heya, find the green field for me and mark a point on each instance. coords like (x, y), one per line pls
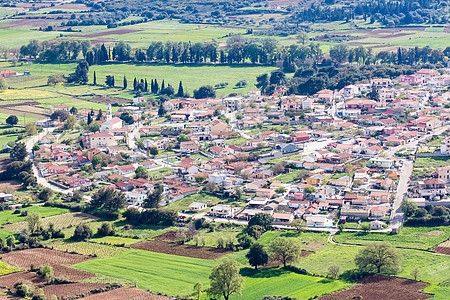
(421, 238)
(193, 76)
(184, 203)
(156, 271)
(160, 173)
(86, 248)
(422, 162)
(7, 269)
(8, 216)
(277, 281)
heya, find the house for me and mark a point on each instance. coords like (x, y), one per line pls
(102, 139)
(220, 129)
(189, 147)
(360, 103)
(355, 213)
(137, 100)
(315, 179)
(378, 211)
(6, 197)
(445, 146)
(376, 224)
(197, 206)
(286, 148)
(300, 136)
(282, 218)
(377, 197)
(148, 164)
(111, 125)
(318, 221)
(135, 199)
(8, 73)
(262, 192)
(62, 107)
(223, 211)
(126, 169)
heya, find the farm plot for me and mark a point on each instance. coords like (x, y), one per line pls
(7, 269)
(443, 248)
(26, 95)
(64, 291)
(111, 100)
(160, 272)
(86, 248)
(8, 216)
(181, 250)
(59, 221)
(57, 259)
(8, 281)
(382, 287)
(130, 293)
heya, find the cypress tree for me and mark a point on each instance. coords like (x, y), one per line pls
(162, 85)
(95, 78)
(152, 87)
(89, 120)
(135, 84)
(180, 90)
(145, 85)
(156, 87)
(125, 83)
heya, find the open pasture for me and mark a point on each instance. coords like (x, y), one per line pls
(8, 216)
(86, 248)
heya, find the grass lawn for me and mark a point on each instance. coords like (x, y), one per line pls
(421, 162)
(5, 233)
(143, 231)
(184, 203)
(287, 177)
(421, 238)
(156, 271)
(45, 211)
(160, 173)
(212, 236)
(237, 141)
(277, 281)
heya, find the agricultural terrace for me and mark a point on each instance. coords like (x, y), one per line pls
(86, 248)
(9, 216)
(59, 221)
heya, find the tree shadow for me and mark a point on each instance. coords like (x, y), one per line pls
(263, 272)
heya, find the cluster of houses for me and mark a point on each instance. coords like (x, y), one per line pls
(334, 147)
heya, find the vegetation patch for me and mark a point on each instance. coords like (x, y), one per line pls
(87, 248)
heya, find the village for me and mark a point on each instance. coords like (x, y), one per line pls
(333, 158)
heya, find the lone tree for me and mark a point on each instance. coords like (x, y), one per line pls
(333, 271)
(257, 255)
(299, 225)
(82, 232)
(12, 120)
(226, 280)
(415, 273)
(141, 172)
(284, 250)
(198, 287)
(378, 257)
(34, 223)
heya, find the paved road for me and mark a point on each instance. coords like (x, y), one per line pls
(397, 216)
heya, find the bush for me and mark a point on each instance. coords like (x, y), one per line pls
(296, 270)
(24, 288)
(82, 233)
(105, 229)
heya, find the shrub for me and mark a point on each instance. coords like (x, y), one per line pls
(24, 288)
(105, 229)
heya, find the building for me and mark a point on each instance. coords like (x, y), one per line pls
(197, 206)
(224, 211)
(111, 124)
(8, 73)
(232, 103)
(318, 221)
(445, 146)
(102, 139)
(282, 218)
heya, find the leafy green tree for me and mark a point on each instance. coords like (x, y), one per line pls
(82, 232)
(310, 190)
(299, 225)
(12, 120)
(333, 271)
(378, 257)
(261, 219)
(11, 241)
(31, 128)
(154, 150)
(24, 289)
(284, 250)
(141, 172)
(96, 161)
(257, 255)
(34, 223)
(339, 53)
(71, 122)
(225, 279)
(409, 208)
(281, 190)
(105, 229)
(206, 91)
(198, 287)
(415, 273)
(153, 198)
(18, 152)
(62, 115)
(108, 200)
(3, 85)
(200, 178)
(110, 81)
(45, 194)
(46, 271)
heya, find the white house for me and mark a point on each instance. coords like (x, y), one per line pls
(135, 199)
(224, 211)
(445, 146)
(217, 178)
(137, 100)
(197, 206)
(111, 124)
(319, 221)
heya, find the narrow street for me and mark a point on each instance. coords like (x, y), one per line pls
(397, 217)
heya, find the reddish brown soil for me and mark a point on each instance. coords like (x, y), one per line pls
(112, 32)
(443, 250)
(379, 287)
(111, 100)
(129, 293)
(57, 259)
(171, 236)
(181, 250)
(19, 104)
(8, 186)
(32, 23)
(71, 289)
(8, 281)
